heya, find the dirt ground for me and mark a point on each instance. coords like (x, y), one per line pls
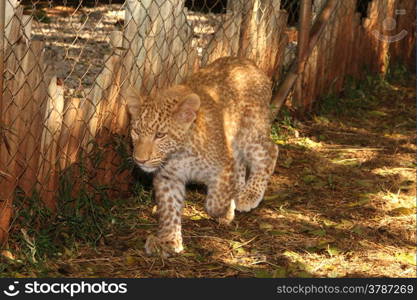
(340, 204)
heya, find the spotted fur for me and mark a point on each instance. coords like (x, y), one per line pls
(213, 129)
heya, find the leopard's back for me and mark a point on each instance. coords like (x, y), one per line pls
(235, 98)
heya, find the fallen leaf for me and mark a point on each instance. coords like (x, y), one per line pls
(328, 222)
(278, 232)
(332, 250)
(319, 184)
(8, 254)
(318, 232)
(154, 209)
(303, 274)
(280, 272)
(406, 258)
(130, 260)
(188, 254)
(287, 163)
(262, 274)
(365, 183)
(265, 226)
(377, 113)
(279, 196)
(344, 224)
(403, 211)
(309, 178)
(363, 200)
(357, 229)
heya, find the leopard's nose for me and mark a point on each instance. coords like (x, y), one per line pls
(141, 161)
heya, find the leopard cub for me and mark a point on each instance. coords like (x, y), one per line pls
(213, 129)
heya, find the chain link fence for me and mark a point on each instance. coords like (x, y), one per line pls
(66, 65)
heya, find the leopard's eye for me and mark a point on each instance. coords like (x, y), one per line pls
(160, 135)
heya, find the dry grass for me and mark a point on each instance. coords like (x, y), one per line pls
(340, 204)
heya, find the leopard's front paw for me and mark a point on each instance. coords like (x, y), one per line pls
(248, 201)
(163, 246)
(229, 216)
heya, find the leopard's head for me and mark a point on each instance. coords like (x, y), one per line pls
(160, 124)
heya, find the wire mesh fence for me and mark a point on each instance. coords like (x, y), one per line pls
(67, 64)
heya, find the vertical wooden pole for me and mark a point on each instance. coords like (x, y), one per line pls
(279, 97)
(318, 6)
(48, 165)
(5, 205)
(2, 35)
(303, 41)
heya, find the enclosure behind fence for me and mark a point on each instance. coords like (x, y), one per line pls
(66, 65)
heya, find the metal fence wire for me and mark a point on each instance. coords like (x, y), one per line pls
(65, 65)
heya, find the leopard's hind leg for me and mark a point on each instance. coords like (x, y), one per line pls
(240, 172)
(261, 159)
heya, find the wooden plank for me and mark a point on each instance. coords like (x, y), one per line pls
(282, 45)
(403, 50)
(273, 32)
(20, 85)
(74, 123)
(48, 168)
(12, 8)
(156, 56)
(389, 12)
(261, 29)
(334, 55)
(109, 117)
(279, 97)
(34, 96)
(356, 59)
(13, 102)
(135, 24)
(7, 176)
(350, 35)
(225, 41)
(186, 53)
(350, 27)
(311, 81)
(305, 85)
(321, 47)
(315, 62)
(340, 48)
(252, 29)
(95, 107)
(70, 143)
(299, 99)
(375, 51)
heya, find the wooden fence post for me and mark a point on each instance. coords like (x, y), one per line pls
(48, 165)
(2, 35)
(5, 190)
(252, 29)
(303, 37)
(225, 41)
(403, 50)
(155, 36)
(280, 96)
(12, 100)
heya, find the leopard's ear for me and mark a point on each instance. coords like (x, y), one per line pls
(186, 110)
(133, 100)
